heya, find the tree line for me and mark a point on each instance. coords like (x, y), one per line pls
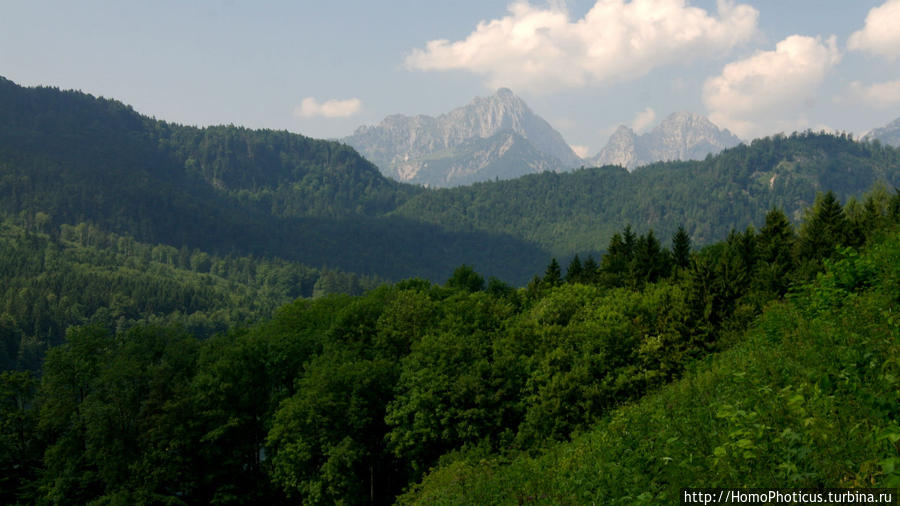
(353, 399)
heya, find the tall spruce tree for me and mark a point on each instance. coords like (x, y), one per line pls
(575, 272)
(649, 262)
(615, 263)
(553, 274)
(824, 230)
(590, 269)
(774, 243)
(681, 248)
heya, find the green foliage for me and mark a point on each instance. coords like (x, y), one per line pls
(618, 384)
(98, 396)
(825, 229)
(455, 389)
(553, 274)
(69, 158)
(681, 248)
(465, 278)
(20, 448)
(327, 439)
(809, 398)
(582, 210)
(352, 399)
(775, 243)
(82, 275)
(575, 272)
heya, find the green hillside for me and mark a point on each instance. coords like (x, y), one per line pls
(808, 397)
(580, 211)
(224, 190)
(230, 190)
(738, 364)
(81, 275)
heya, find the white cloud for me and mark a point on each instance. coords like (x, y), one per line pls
(540, 49)
(881, 34)
(643, 120)
(581, 151)
(884, 94)
(770, 84)
(311, 108)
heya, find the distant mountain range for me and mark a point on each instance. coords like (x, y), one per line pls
(888, 134)
(500, 137)
(491, 137)
(681, 136)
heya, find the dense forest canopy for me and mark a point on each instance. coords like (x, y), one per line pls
(229, 190)
(580, 211)
(80, 275)
(474, 391)
(222, 315)
(223, 190)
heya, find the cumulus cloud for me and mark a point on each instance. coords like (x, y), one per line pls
(877, 95)
(881, 34)
(770, 84)
(311, 108)
(643, 120)
(541, 49)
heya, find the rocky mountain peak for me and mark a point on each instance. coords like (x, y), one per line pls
(398, 141)
(888, 134)
(680, 136)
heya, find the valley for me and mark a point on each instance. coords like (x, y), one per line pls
(183, 306)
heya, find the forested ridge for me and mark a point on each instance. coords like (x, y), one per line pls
(80, 275)
(230, 190)
(474, 391)
(223, 190)
(579, 211)
(222, 315)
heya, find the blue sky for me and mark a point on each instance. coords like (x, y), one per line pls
(323, 68)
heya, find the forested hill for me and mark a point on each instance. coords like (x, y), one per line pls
(580, 211)
(87, 136)
(76, 158)
(769, 357)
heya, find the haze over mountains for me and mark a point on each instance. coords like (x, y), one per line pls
(681, 136)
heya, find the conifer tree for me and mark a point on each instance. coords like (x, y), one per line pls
(681, 248)
(553, 274)
(590, 269)
(615, 263)
(575, 272)
(629, 240)
(775, 242)
(824, 229)
(649, 262)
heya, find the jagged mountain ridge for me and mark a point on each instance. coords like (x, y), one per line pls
(504, 155)
(406, 148)
(888, 134)
(681, 136)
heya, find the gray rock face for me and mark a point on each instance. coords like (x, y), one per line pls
(465, 143)
(504, 155)
(888, 134)
(681, 136)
